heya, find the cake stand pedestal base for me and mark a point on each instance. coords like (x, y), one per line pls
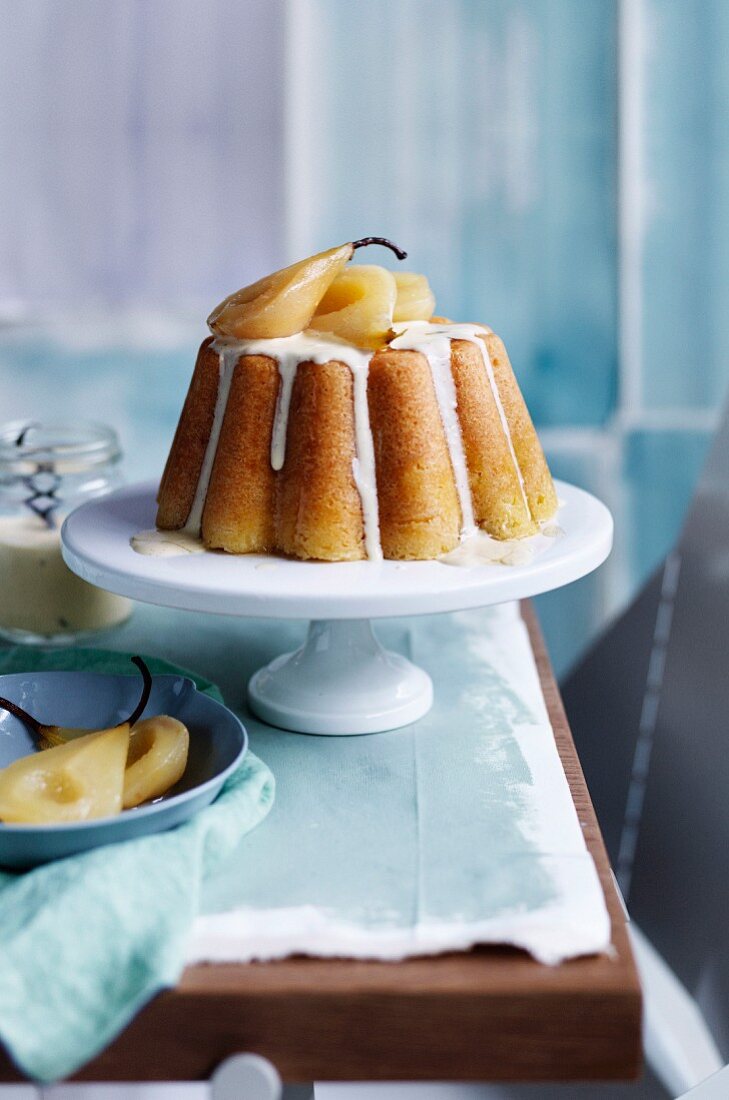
(341, 681)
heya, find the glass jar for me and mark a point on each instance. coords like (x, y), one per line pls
(46, 470)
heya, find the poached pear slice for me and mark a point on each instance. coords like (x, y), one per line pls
(280, 304)
(358, 306)
(80, 780)
(284, 303)
(415, 300)
(157, 758)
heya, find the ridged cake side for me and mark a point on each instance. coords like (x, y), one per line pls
(538, 483)
(318, 510)
(420, 516)
(239, 512)
(499, 503)
(311, 507)
(184, 464)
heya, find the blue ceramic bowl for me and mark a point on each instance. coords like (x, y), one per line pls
(218, 742)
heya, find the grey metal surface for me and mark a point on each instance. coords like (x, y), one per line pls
(680, 889)
(650, 711)
(603, 698)
(647, 1089)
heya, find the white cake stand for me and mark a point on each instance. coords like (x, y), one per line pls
(341, 681)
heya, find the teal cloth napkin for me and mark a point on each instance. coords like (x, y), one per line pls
(86, 942)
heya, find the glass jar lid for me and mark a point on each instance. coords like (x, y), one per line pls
(67, 447)
(48, 467)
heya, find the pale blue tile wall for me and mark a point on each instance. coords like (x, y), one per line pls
(133, 377)
(686, 246)
(481, 134)
(569, 615)
(661, 468)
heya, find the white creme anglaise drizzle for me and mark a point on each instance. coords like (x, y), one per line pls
(431, 340)
(434, 342)
(166, 544)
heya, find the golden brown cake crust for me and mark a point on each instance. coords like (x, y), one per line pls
(239, 513)
(182, 472)
(538, 482)
(498, 502)
(318, 511)
(419, 510)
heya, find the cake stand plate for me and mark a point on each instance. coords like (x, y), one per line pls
(341, 681)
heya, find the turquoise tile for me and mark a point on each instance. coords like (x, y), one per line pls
(481, 134)
(648, 487)
(686, 247)
(584, 461)
(661, 471)
(572, 616)
(570, 619)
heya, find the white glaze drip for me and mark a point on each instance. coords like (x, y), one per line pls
(435, 345)
(165, 544)
(288, 352)
(486, 356)
(427, 338)
(227, 359)
(287, 373)
(363, 464)
(481, 549)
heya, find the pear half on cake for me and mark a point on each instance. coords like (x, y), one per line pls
(284, 303)
(280, 304)
(364, 300)
(415, 300)
(358, 306)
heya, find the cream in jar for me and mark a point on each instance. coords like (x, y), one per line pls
(45, 470)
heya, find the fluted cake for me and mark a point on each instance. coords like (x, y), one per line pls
(359, 427)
